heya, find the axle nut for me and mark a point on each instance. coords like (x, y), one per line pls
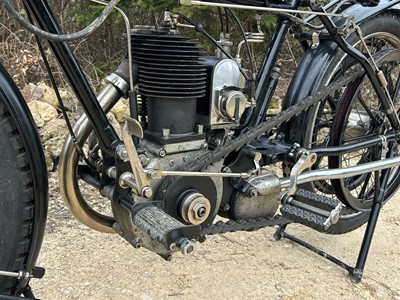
(195, 208)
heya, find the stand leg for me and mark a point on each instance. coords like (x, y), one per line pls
(357, 273)
(280, 232)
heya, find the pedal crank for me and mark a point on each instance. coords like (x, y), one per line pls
(305, 161)
(154, 229)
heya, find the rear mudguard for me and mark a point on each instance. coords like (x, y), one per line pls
(22, 117)
(312, 71)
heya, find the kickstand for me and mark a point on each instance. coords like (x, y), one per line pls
(356, 272)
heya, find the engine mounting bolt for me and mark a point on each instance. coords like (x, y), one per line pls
(199, 128)
(205, 146)
(151, 174)
(147, 192)
(143, 159)
(226, 170)
(252, 192)
(166, 132)
(227, 207)
(172, 247)
(162, 153)
(122, 153)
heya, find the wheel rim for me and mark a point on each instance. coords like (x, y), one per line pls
(363, 120)
(323, 114)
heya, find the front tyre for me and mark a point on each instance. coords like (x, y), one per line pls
(23, 187)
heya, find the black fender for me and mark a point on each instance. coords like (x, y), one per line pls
(22, 117)
(312, 70)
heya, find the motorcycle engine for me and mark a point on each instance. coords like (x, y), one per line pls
(188, 103)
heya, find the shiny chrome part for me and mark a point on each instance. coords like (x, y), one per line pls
(251, 37)
(157, 174)
(232, 105)
(122, 153)
(334, 216)
(133, 128)
(195, 208)
(129, 40)
(69, 158)
(315, 40)
(19, 275)
(127, 180)
(260, 8)
(187, 247)
(257, 168)
(227, 102)
(118, 82)
(385, 147)
(147, 192)
(226, 44)
(343, 173)
(358, 123)
(264, 202)
(305, 161)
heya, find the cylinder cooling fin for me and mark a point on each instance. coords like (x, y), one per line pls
(168, 65)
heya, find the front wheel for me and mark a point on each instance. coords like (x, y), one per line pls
(23, 187)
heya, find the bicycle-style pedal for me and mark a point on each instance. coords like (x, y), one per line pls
(312, 210)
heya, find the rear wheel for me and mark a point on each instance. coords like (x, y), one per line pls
(361, 117)
(23, 188)
(381, 32)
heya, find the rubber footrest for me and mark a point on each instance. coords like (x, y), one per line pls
(316, 200)
(304, 217)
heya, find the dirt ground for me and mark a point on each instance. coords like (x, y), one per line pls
(84, 264)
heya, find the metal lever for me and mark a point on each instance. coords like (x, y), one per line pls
(133, 128)
(305, 161)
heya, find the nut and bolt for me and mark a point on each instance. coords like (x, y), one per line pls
(166, 132)
(162, 153)
(252, 192)
(143, 159)
(147, 192)
(187, 247)
(122, 153)
(226, 207)
(199, 210)
(199, 128)
(137, 243)
(152, 175)
(226, 170)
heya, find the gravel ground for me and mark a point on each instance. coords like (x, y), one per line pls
(84, 264)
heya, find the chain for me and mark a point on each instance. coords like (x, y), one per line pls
(253, 133)
(266, 127)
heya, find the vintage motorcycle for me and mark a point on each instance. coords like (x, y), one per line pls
(198, 145)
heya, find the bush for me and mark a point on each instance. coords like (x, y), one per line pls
(20, 55)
